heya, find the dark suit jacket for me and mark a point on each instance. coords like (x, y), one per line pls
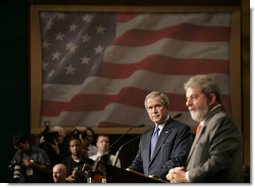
(216, 153)
(171, 149)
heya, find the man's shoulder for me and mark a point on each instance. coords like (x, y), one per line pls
(217, 115)
(65, 160)
(177, 124)
(94, 157)
(36, 149)
(148, 131)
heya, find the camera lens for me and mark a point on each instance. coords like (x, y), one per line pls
(16, 171)
(84, 135)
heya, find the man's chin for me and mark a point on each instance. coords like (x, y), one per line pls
(156, 121)
(194, 117)
(75, 154)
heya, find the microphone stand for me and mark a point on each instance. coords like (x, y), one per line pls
(120, 148)
(98, 160)
(142, 125)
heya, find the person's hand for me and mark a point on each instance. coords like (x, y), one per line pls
(177, 175)
(81, 129)
(70, 179)
(170, 175)
(26, 163)
(42, 140)
(55, 146)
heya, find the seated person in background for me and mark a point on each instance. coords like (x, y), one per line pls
(34, 162)
(102, 144)
(82, 135)
(92, 149)
(87, 136)
(53, 141)
(171, 148)
(59, 173)
(75, 161)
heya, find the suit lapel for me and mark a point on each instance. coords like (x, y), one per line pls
(195, 142)
(147, 147)
(209, 116)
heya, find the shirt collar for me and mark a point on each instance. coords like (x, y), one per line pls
(216, 106)
(161, 125)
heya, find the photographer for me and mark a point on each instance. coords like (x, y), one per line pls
(86, 134)
(30, 164)
(52, 141)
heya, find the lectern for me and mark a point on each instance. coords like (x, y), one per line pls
(117, 175)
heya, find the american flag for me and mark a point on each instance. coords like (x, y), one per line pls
(98, 67)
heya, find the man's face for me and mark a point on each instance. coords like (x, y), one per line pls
(155, 109)
(75, 147)
(59, 139)
(23, 147)
(58, 174)
(197, 103)
(102, 144)
(90, 136)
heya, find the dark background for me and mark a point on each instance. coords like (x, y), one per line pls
(15, 89)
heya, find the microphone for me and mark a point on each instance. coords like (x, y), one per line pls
(120, 148)
(114, 143)
(95, 165)
(177, 115)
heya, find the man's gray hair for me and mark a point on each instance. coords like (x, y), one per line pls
(164, 99)
(205, 84)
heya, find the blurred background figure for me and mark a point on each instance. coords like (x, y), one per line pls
(87, 135)
(59, 173)
(30, 163)
(102, 144)
(52, 140)
(74, 163)
(92, 149)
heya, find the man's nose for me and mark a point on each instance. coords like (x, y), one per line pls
(154, 109)
(188, 102)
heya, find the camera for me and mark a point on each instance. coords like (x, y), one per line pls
(49, 136)
(17, 170)
(76, 133)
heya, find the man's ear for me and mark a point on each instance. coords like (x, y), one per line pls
(212, 99)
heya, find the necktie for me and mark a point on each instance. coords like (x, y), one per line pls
(198, 129)
(154, 140)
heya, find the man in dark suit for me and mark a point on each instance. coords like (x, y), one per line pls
(216, 153)
(173, 142)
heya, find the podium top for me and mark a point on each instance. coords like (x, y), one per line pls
(117, 175)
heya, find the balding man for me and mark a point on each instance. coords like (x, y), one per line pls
(59, 173)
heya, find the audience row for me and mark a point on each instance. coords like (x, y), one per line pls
(55, 154)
